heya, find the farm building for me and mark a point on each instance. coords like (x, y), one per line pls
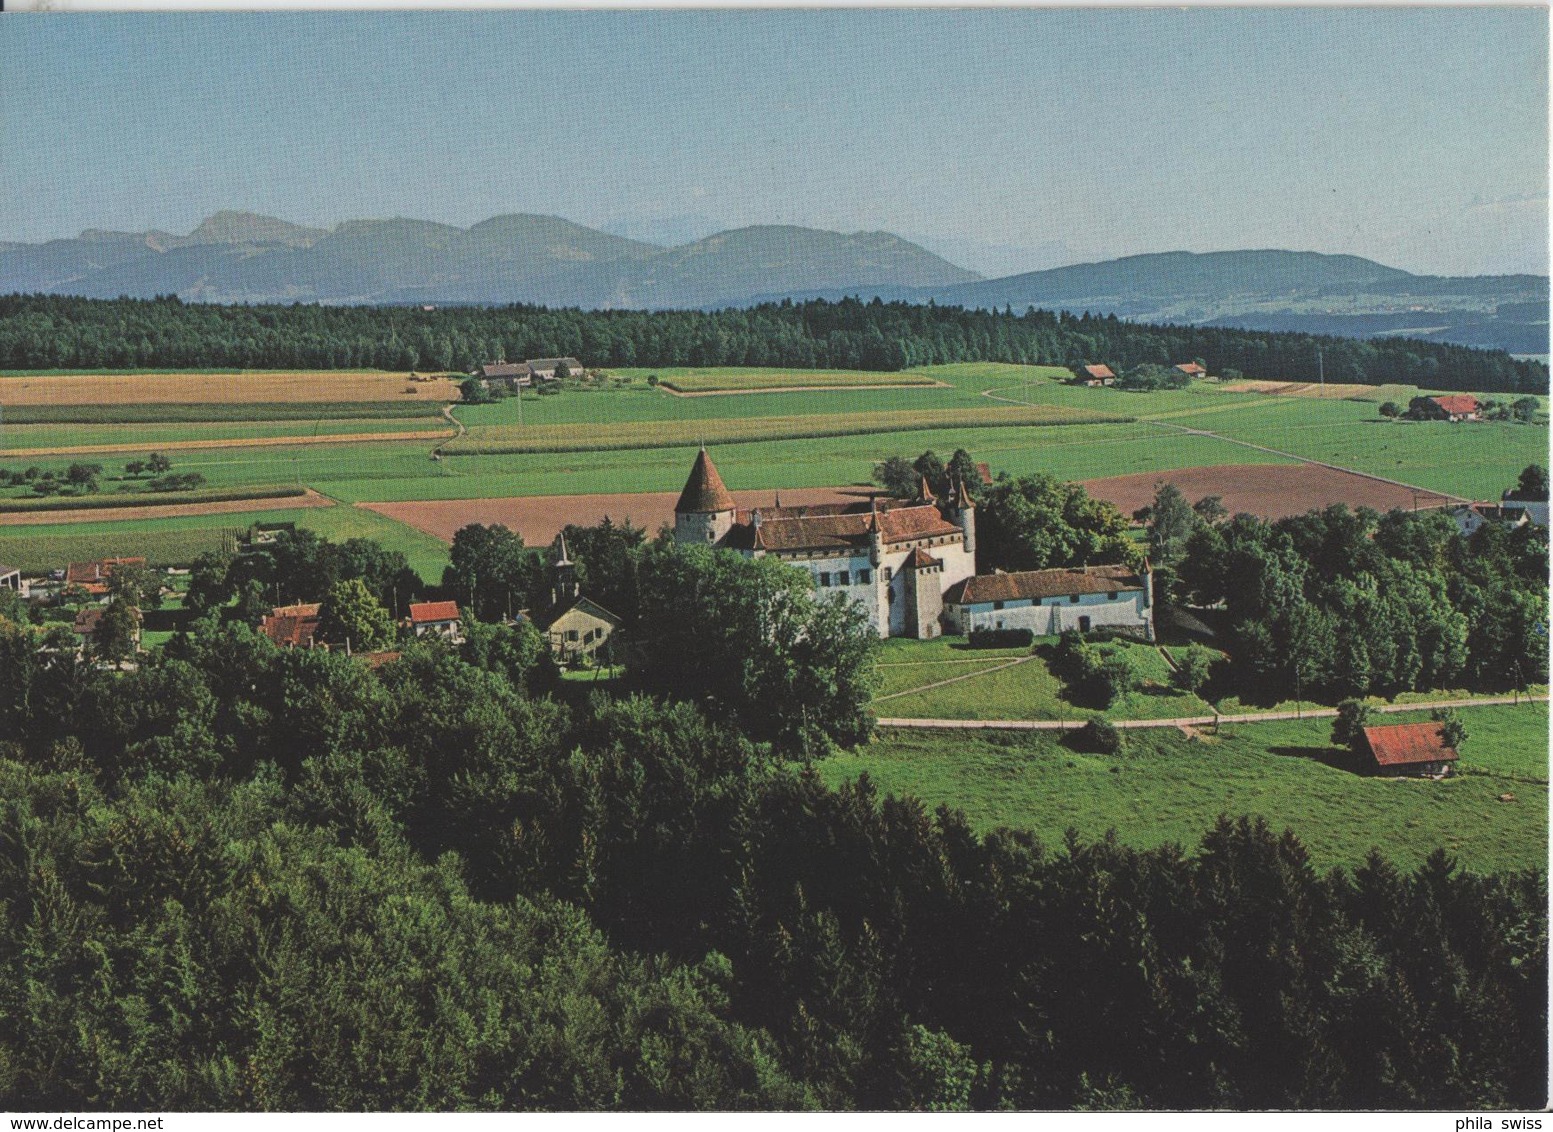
(512, 374)
(292, 626)
(1192, 369)
(1458, 407)
(894, 557)
(93, 576)
(1048, 602)
(1094, 375)
(1535, 510)
(549, 369)
(10, 578)
(1408, 748)
(437, 619)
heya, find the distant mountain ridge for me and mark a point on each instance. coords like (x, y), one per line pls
(248, 258)
(244, 257)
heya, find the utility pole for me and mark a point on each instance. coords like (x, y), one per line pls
(1321, 369)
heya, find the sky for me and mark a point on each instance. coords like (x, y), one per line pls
(1416, 137)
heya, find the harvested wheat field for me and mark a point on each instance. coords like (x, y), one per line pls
(1331, 391)
(308, 498)
(220, 388)
(1272, 491)
(290, 439)
(539, 518)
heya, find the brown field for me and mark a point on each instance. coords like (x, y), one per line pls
(219, 388)
(1272, 491)
(291, 439)
(676, 392)
(163, 511)
(539, 518)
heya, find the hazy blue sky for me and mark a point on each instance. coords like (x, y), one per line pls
(1416, 137)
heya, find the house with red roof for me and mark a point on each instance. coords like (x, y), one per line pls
(895, 557)
(437, 618)
(1407, 749)
(1192, 369)
(93, 576)
(292, 626)
(1458, 407)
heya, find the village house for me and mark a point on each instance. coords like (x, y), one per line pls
(1048, 602)
(894, 557)
(436, 618)
(1470, 517)
(1094, 375)
(1535, 510)
(292, 626)
(577, 627)
(1192, 370)
(87, 621)
(511, 374)
(93, 576)
(1408, 749)
(1458, 407)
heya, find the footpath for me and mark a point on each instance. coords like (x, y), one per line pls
(1187, 721)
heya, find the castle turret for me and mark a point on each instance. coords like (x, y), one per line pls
(705, 511)
(964, 516)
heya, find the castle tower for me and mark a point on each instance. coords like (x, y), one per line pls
(564, 573)
(705, 511)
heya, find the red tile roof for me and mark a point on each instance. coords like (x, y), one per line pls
(96, 573)
(292, 626)
(86, 620)
(984, 472)
(422, 612)
(901, 524)
(378, 659)
(919, 558)
(1457, 403)
(1034, 584)
(1099, 371)
(704, 490)
(1191, 368)
(1407, 744)
(837, 526)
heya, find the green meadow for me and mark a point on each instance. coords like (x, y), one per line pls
(1165, 787)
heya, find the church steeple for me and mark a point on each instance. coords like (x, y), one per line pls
(564, 587)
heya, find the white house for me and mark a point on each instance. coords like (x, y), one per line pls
(894, 557)
(1470, 516)
(1048, 602)
(437, 619)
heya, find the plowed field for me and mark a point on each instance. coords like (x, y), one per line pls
(1272, 491)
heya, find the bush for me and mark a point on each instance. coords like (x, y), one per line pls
(1099, 736)
(1000, 638)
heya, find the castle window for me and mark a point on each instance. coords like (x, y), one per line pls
(844, 578)
(1111, 596)
(997, 605)
(824, 577)
(863, 577)
(885, 573)
(1073, 598)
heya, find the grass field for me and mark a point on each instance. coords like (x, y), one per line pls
(1027, 690)
(718, 379)
(500, 439)
(216, 412)
(1168, 788)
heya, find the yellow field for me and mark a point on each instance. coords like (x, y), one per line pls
(1331, 391)
(674, 434)
(220, 388)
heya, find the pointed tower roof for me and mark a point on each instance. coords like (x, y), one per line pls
(924, 492)
(562, 558)
(704, 491)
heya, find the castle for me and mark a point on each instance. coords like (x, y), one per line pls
(894, 557)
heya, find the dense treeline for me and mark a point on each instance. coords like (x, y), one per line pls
(1343, 603)
(247, 878)
(42, 332)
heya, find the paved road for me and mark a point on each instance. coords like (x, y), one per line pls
(1185, 721)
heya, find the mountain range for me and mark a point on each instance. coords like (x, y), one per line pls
(242, 257)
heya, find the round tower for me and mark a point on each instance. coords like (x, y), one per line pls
(705, 511)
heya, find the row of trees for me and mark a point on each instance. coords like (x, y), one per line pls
(246, 878)
(47, 331)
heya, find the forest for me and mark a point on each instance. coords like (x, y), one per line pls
(247, 878)
(62, 332)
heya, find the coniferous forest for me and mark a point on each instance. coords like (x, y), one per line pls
(247, 878)
(61, 332)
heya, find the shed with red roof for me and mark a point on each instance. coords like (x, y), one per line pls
(1408, 748)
